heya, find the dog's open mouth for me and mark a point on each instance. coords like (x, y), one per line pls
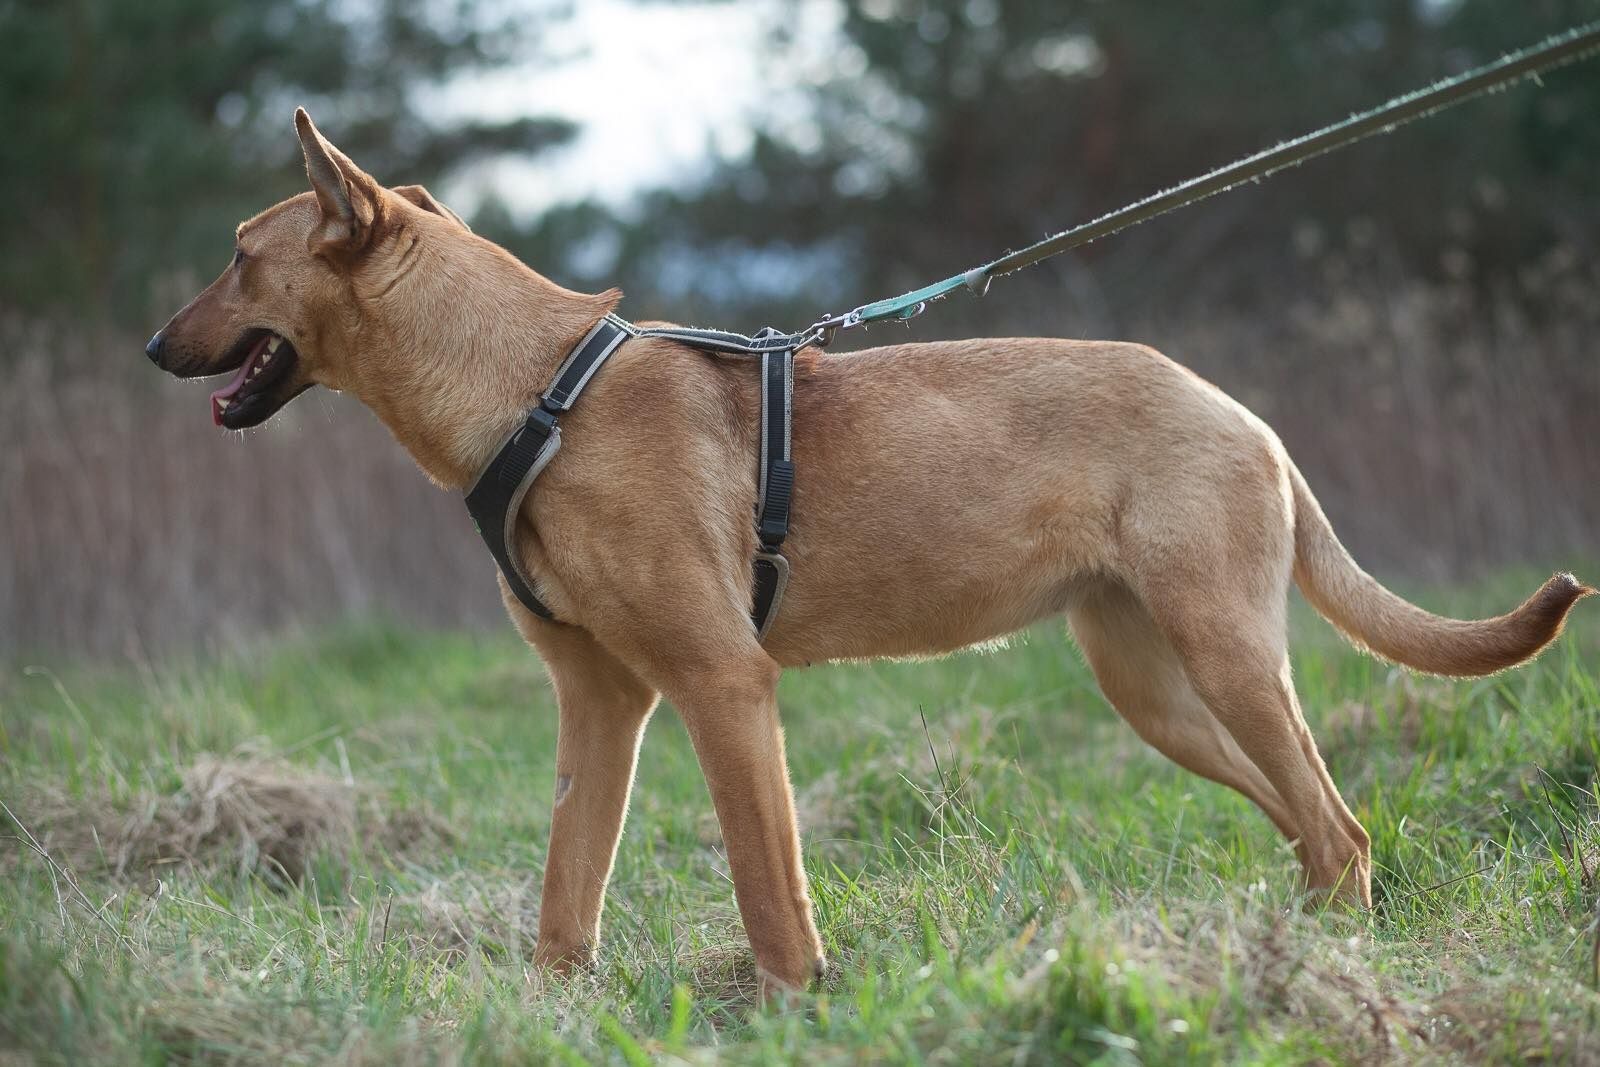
(254, 393)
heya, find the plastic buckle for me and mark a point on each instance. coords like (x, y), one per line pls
(542, 421)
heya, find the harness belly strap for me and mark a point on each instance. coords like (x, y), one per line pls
(771, 569)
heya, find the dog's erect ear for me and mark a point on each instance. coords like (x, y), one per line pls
(424, 199)
(349, 197)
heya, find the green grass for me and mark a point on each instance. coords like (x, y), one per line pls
(1048, 891)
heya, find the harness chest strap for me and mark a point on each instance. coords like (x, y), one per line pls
(495, 499)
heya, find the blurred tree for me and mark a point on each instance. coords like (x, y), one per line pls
(138, 133)
(922, 136)
(940, 132)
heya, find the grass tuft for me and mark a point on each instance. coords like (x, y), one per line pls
(247, 813)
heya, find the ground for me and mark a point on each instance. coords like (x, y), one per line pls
(329, 847)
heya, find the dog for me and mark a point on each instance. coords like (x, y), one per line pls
(949, 493)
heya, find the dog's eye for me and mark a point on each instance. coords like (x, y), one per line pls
(238, 256)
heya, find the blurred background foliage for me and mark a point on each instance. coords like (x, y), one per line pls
(946, 131)
(138, 134)
(927, 136)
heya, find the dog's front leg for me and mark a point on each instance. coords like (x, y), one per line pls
(604, 708)
(731, 713)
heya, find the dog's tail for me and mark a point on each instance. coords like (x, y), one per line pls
(1398, 630)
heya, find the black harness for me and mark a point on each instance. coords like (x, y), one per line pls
(496, 497)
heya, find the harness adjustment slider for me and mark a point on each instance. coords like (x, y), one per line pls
(774, 525)
(522, 451)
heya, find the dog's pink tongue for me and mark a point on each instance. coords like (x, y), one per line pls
(220, 398)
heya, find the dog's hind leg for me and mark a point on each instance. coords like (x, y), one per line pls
(604, 708)
(1209, 552)
(1233, 649)
(1141, 675)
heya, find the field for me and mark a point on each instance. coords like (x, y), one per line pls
(329, 847)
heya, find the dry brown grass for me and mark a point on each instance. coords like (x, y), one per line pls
(1292, 972)
(133, 527)
(229, 1023)
(246, 813)
(457, 916)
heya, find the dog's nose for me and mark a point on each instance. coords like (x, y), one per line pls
(153, 349)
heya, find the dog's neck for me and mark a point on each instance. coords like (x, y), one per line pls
(461, 348)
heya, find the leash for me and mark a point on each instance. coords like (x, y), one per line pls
(1559, 50)
(1575, 45)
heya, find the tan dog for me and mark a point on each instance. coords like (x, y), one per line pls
(947, 493)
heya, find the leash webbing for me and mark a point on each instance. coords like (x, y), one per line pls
(1577, 44)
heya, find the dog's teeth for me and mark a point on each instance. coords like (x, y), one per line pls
(272, 345)
(265, 359)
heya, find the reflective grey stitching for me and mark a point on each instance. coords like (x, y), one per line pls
(552, 445)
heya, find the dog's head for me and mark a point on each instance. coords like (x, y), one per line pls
(285, 315)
